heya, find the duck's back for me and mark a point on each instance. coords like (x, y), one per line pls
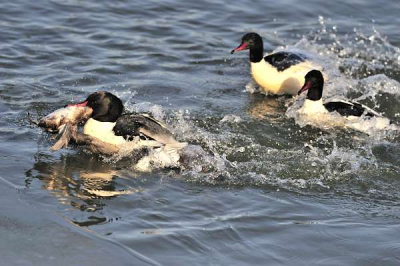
(347, 108)
(284, 60)
(144, 126)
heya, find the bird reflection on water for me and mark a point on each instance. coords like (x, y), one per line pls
(80, 180)
(262, 106)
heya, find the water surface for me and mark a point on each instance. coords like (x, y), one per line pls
(255, 188)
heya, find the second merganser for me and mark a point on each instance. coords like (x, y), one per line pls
(348, 113)
(277, 73)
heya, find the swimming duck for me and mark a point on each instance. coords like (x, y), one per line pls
(109, 131)
(277, 73)
(314, 84)
(351, 111)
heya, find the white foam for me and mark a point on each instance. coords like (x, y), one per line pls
(252, 87)
(333, 120)
(231, 119)
(221, 152)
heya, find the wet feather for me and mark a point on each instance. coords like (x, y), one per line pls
(68, 115)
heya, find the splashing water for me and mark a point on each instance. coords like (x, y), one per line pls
(278, 147)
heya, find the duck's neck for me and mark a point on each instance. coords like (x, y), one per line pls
(256, 54)
(313, 107)
(93, 127)
(102, 131)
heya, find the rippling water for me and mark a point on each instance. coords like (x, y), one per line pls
(256, 188)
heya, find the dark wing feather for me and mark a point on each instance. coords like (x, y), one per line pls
(284, 60)
(349, 108)
(131, 125)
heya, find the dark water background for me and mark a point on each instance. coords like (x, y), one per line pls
(256, 189)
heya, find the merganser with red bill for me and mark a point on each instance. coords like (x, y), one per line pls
(108, 124)
(277, 73)
(314, 84)
(350, 111)
(109, 131)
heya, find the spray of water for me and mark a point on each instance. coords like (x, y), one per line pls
(286, 150)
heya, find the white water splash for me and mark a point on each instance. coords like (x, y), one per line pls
(231, 119)
(235, 150)
(372, 126)
(252, 87)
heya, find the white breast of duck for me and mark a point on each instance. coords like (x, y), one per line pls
(275, 80)
(103, 131)
(313, 108)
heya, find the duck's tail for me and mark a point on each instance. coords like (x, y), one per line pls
(176, 145)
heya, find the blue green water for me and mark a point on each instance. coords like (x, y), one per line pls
(255, 187)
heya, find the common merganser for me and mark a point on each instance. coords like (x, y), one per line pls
(277, 73)
(350, 111)
(109, 131)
